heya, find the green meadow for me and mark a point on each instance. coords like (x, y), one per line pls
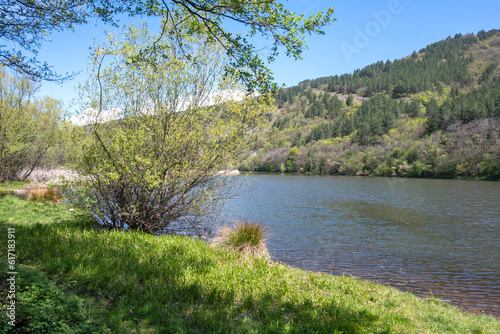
(75, 278)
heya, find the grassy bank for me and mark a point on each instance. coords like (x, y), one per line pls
(13, 185)
(138, 283)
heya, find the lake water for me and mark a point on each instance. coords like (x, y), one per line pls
(439, 237)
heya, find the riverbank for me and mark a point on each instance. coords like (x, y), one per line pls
(435, 237)
(134, 282)
(393, 176)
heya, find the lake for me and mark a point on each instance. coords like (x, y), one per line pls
(431, 237)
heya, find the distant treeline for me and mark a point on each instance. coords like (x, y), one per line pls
(421, 71)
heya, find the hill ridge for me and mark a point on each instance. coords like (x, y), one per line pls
(400, 118)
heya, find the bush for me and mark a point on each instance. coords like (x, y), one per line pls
(245, 166)
(351, 167)
(370, 165)
(419, 169)
(397, 153)
(447, 169)
(384, 169)
(411, 155)
(158, 164)
(245, 237)
(490, 169)
(290, 162)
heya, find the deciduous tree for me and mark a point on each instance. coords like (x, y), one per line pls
(28, 126)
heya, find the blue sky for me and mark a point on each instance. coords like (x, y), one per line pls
(365, 32)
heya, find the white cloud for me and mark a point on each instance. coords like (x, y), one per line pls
(91, 115)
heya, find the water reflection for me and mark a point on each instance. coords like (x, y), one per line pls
(427, 236)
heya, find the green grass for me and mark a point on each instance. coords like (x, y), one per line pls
(13, 184)
(44, 307)
(139, 283)
(4, 192)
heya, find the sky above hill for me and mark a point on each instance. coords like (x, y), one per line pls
(365, 32)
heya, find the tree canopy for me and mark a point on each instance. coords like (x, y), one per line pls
(27, 23)
(29, 127)
(175, 124)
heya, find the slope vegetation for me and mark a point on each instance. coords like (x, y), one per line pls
(435, 113)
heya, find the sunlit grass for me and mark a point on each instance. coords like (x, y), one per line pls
(139, 283)
(5, 192)
(13, 184)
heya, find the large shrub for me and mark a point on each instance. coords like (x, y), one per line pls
(164, 122)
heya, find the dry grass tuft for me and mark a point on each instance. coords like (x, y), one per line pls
(245, 237)
(43, 195)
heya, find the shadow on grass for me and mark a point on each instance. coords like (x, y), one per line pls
(150, 284)
(40, 306)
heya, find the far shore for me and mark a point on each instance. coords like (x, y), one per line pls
(229, 172)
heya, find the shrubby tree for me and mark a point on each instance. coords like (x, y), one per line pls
(290, 162)
(162, 128)
(29, 127)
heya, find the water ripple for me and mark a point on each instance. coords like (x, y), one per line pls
(431, 237)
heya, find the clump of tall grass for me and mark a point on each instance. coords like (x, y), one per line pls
(44, 195)
(245, 237)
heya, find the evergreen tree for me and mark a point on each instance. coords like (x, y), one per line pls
(435, 117)
(350, 100)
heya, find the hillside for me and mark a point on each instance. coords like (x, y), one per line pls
(435, 113)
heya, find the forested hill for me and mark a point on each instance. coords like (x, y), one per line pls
(435, 113)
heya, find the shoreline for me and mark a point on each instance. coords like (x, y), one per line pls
(363, 176)
(136, 282)
(402, 286)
